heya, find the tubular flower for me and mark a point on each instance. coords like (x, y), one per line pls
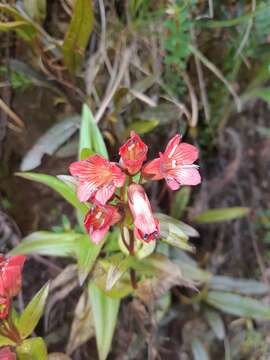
(146, 226)
(4, 307)
(99, 219)
(11, 275)
(175, 165)
(133, 153)
(7, 354)
(98, 178)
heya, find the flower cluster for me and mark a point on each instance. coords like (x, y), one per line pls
(10, 281)
(101, 181)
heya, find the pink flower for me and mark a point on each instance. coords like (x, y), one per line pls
(98, 178)
(7, 354)
(145, 225)
(4, 307)
(11, 275)
(133, 153)
(99, 219)
(175, 165)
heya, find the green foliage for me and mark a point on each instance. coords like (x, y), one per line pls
(31, 315)
(78, 33)
(90, 135)
(178, 37)
(217, 215)
(32, 349)
(105, 311)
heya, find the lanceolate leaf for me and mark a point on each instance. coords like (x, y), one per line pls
(86, 254)
(90, 135)
(32, 349)
(82, 328)
(57, 185)
(241, 286)
(238, 305)
(215, 321)
(217, 215)
(49, 142)
(105, 312)
(33, 312)
(78, 33)
(48, 243)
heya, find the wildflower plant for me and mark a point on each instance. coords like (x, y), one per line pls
(122, 247)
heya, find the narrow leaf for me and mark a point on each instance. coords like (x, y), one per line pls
(242, 286)
(90, 135)
(180, 202)
(82, 328)
(49, 142)
(5, 341)
(57, 185)
(105, 312)
(238, 305)
(33, 312)
(78, 33)
(217, 215)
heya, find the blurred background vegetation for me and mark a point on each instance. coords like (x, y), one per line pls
(198, 67)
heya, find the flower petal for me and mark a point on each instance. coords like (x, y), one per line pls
(186, 154)
(99, 234)
(85, 191)
(151, 170)
(188, 175)
(105, 193)
(118, 176)
(172, 145)
(172, 183)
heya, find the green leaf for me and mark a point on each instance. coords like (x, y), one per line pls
(86, 254)
(5, 341)
(180, 202)
(57, 185)
(263, 93)
(105, 311)
(172, 234)
(49, 142)
(33, 312)
(198, 350)
(242, 286)
(77, 35)
(141, 126)
(32, 349)
(48, 243)
(217, 215)
(238, 305)
(116, 271)
(216, 323)
(23, 27)
(90, 135)
(36, 9)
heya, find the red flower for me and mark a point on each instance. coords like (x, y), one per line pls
(175, 165)
(11, 275)
(146, 226)
(99, 219)
(7, 354)
(133, 153)
(4, 307)
(98, 178)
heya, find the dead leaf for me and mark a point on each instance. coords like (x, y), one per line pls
(82, 328)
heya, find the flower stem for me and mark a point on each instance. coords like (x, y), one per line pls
(133, 279)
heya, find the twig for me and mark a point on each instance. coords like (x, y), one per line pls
(212, 67)
(193, 99)
(202, 86)
(11, 114)
(108, 97)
